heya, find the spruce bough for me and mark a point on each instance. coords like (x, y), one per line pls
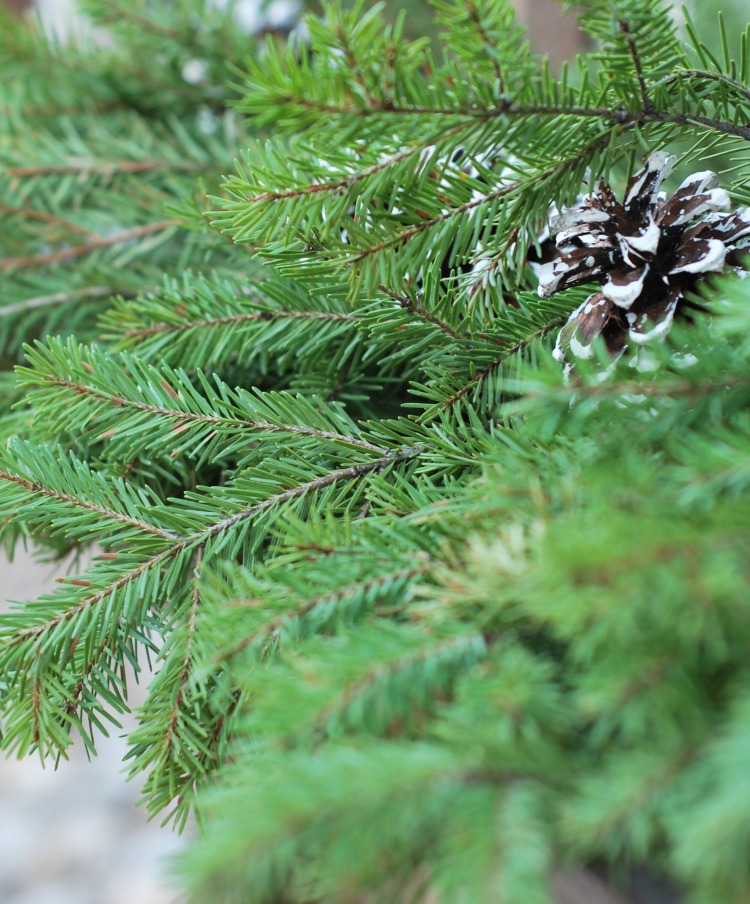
(428, 622)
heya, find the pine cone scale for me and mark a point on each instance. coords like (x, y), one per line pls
(624, 287)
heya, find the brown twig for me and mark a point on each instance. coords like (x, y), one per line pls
(75, 251)
(160, 328)
(41, 301)
(635, 56)
(410, 304)
(42, 216)
(123, 167)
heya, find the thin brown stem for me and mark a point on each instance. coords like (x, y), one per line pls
(635, 56)
(67, 254)
(475, 17)
(256, 316)
(411, 304)
(42, 301)
(42, 216)
(121, 167)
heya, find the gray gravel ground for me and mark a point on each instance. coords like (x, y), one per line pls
(73, 835)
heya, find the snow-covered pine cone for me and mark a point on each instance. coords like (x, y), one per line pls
(645, 253)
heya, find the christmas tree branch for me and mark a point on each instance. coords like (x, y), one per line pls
(236, 319)
(368, 589)
(38, 489)
(42, 216)
(105, 168)
(412, 305)
(75, 251)
(63, 298)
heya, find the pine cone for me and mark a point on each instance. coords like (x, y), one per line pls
(645, 253)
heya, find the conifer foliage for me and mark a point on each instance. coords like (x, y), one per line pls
(429, 623)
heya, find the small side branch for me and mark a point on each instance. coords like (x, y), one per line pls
(475, 17)
(235, 319)
(42, 216)
(346, 182)
(195, 601)
(275, 625)
(217, 421)
(89, 168)
(648, 107)
(409, 304)
(68, 254)
(492, 368)
(40, 490)
(311, 486)
(43, 301)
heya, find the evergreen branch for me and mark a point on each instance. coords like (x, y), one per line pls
(42, 301)
(555, 168)
(69, 111)
(44, 217)
(212, 324)
(354, 65)
(89, 601)
(273, 627)
(75, 251)
(145, 394)
(184, 676)
(406, 234)
(110, 168)
(467, 647)
(412, 305)
(74, 701)
(199, 538)
(346, 182)
(236, 319)
(506, 108)
(624, 27)
(39, 489)
(187, 417)
(125, 11)
(703, 74)
(474, 15)
(312, 486)
(492, 368)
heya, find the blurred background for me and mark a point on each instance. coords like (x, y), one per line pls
(74, 835)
